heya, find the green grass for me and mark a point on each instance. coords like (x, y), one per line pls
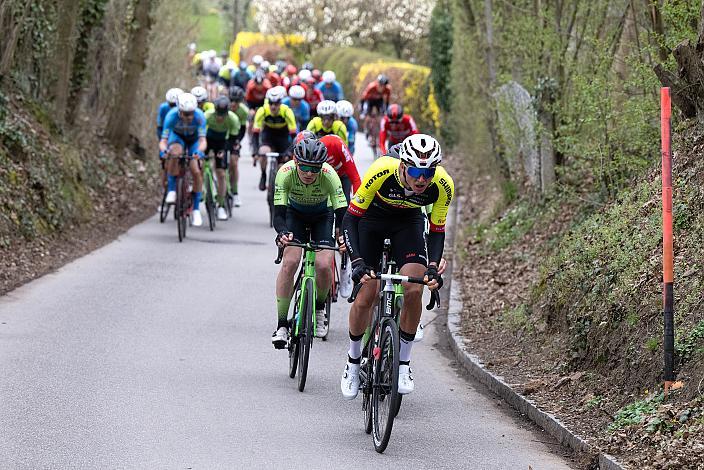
(212, 31)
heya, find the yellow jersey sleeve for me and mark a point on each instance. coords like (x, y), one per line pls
(259, 119)
(372, 180)
(290, 118)
(446, 187)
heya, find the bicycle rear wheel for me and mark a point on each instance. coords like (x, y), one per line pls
(294, 349)
(270, 190)
(328, 311)
(180, 210)
(305, 338)
(164, 209)
(385, 385)
(210, 201)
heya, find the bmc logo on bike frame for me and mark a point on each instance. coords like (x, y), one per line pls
(375, 177)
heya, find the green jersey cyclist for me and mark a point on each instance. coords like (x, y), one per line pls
(307, 194)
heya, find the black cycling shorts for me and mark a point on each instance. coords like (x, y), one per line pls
(277, 141)
(320, 226)
(378, 104)
(215, 146)
(407, 237)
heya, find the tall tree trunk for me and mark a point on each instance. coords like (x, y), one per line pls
(136, 56)
(69, 13)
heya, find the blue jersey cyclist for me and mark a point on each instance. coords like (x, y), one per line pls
(345, 111)
(184, 132)
(330, 87)
(164, 109)
(300, 107)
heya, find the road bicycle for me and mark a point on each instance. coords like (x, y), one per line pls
(184, 198)
(371, 126)
(378, 372)
(337, 271)
(302, 322)
(210, 191)
(272, 167)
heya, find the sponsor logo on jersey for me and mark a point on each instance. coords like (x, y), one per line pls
(359, 199)
(376, 177)
(448, 191)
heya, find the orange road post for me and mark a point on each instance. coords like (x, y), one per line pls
(667, 255)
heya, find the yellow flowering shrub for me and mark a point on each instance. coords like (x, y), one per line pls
(410, 83)
(246, 39)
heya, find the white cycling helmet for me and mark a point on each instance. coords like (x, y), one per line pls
(276, 94)
(345, 109)
(329, 76)
(187, 102)
(326, 107)
(172, 95)
(265, 65)
(304, 75)
(257, 59)
(200, 93)
(297, 92)
(421, 151)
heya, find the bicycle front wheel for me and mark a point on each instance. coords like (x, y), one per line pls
(305, 339)
(385, 385)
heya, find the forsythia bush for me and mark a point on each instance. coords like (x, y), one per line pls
(247, 39)
(411, 84)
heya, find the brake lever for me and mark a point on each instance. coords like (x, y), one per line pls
(355, 291)
(434, 300)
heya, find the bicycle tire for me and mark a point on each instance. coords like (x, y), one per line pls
(328, 311)
(367, 397)
(385, 385)
(270, 191)
(210, 201)
(164, 209)
(305, 339)
(294, 346)
(180, 208)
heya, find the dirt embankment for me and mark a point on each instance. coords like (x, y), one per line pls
(61, 194)
(564, 301)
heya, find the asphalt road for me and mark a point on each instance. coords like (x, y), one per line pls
(152, 354)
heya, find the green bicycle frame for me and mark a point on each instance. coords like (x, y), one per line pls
(308, 273)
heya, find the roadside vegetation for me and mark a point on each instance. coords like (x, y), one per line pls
(553, 108)
(80, 82)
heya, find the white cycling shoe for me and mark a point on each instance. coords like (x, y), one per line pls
(405, 379)
(280, 337)
(222, 213)
(197, 218)
(236, 200)
(171, 197)
(349, 383)
(419, 333)
(321, 324)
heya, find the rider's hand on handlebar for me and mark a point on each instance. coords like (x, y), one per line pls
(284, 238)
(341, 244)
(432, 277)
(361, 272)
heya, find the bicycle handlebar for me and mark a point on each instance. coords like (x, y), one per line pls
(397, 278)
(305, 246)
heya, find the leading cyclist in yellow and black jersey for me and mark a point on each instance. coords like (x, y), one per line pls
(388, 205)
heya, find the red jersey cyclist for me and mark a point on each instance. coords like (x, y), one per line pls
(395, 127)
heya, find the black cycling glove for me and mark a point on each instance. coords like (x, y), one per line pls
(432, 273)
(359, 269)
(279, 236)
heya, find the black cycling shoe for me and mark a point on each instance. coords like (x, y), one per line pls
(262, 182)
